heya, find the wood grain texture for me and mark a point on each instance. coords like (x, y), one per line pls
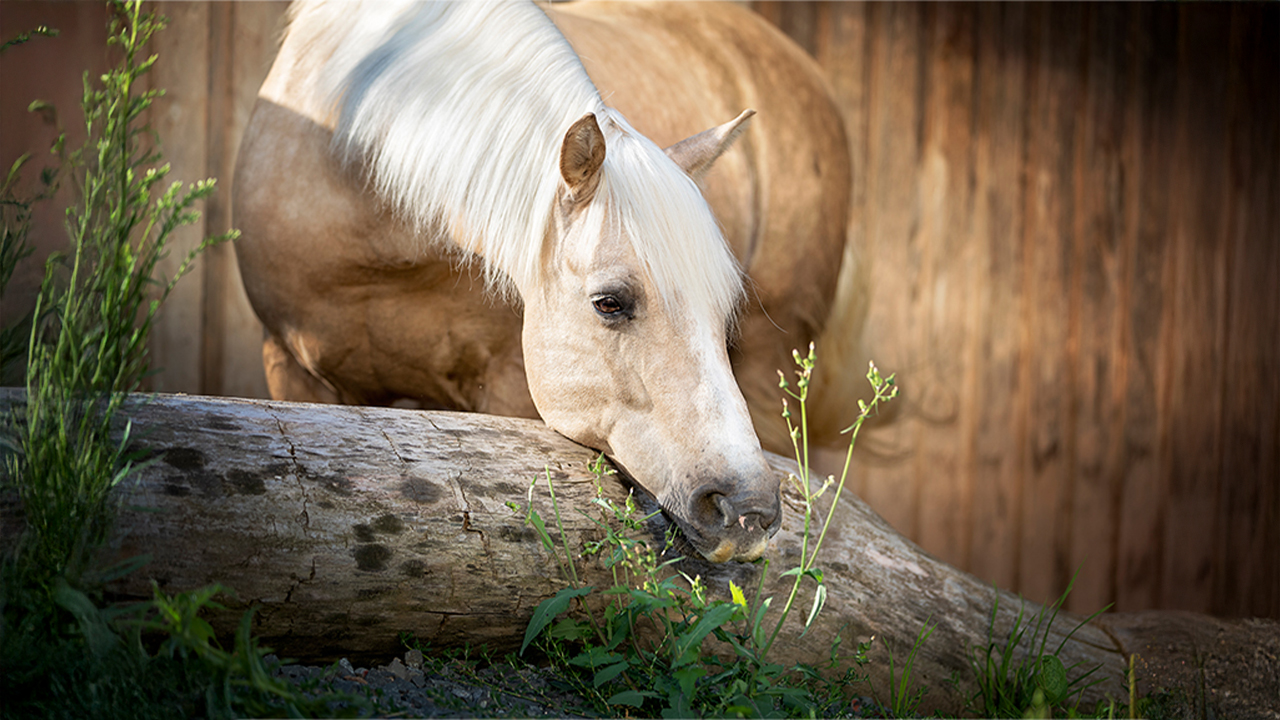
(182, 120)
(1141, 508)
(1097, 322)
(944, 327)
(1197, 294)
(344, 526)
(49, 69)
(891, 213)
(1247, 548)
(1097, 302)
(249, 35)
(1045, 323)
(999, 439)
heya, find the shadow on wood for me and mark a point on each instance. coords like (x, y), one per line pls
(345, 526)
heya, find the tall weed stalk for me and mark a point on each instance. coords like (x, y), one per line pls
(62, 652)
(88, 344)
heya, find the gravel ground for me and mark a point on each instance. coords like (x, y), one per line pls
(410, 688)
(455, 689)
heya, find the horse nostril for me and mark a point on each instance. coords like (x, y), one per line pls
(727, 512)
(753, 521)
(761, 516)
(713, 509)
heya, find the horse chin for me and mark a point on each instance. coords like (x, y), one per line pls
(727, 550)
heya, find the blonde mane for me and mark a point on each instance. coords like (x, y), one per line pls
(458, 111)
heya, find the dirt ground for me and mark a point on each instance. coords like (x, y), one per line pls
(1215, 668)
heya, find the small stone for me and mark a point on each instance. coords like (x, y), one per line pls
(345, 664)
(398, 669)
(413, 658)
(417, 677)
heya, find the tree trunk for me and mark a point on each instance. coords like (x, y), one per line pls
(345, 526)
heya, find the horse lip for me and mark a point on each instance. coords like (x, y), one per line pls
(724, 549)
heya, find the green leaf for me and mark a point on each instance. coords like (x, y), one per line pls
(678, 707)
(548, 610)
(121, 569)
(96, 632)
(595, 657)
(738, 597)
(687, 676)
(819, 599)
(634, 698)
(543, 535)
(610, 672)
(569, 629)
(1051, 677)
(758, 632)
(688, 642)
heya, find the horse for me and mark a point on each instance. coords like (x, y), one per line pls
(448, 205)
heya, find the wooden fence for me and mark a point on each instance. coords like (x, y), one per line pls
(1073, 218)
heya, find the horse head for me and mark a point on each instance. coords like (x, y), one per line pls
(625, 333)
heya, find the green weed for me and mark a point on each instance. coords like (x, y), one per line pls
(903, 699)
(1019, 676)
(65, 651)
(87, 346)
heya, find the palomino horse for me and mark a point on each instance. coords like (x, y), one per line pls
(444, 203)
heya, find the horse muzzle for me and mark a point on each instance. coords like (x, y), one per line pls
(736, 526)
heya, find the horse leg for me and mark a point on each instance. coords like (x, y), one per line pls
(288, 380)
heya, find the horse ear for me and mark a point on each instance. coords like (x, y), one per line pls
(695, 154)
(581, 156)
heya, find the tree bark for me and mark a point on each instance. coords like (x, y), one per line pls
(346, 526)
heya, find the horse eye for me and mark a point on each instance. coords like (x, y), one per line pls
(607, 305)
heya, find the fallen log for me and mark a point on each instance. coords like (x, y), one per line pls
(346, 526)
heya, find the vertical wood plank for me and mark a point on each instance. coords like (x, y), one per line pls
(48, 69)
(259, 29)
(800, 22)
(1152, 92)
(771, 10)
(1197, 293)
(216, 265)
(886, 477)
(1098, 326)
(1050, 380)
(999, 198)
(1264, 587)
(181, 120)
(1247, 550)
(843, 54)
(233, 359)
(945, 314)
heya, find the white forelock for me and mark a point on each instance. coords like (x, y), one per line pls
(458, 110)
